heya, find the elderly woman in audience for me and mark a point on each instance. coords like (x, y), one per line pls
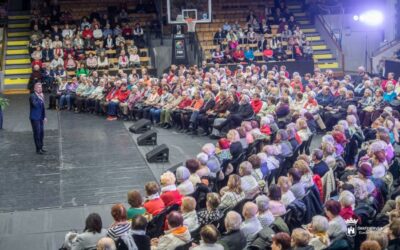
(287, 195)
(260, 169)
(203, 170)
(300, 239)
(235, 146)
(265, 216)
(347, 202)
(185, 186)
(276, 206)
(213, 163)
(232, 194)
(136, 202)
(249, 184)
(233, 238)
(209, 237)
(211, 213)
(153, 203)
(302, 129)
(272, 151)
(193, 165)
(281, 141)
(121, 225)
(189, 214)
(92, 233)
(337, 225)
(176, 235)
(169, 193)
(319, 232)
(281, 241)
(297, 187)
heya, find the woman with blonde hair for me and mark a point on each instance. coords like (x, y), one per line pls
(306, 173)
(236, 147)
(287, 195)
(232, 194)
(169, 193)
(302, 129)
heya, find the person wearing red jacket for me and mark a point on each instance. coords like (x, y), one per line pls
(37, 62)
(87, 35)
(169, 193)
(120, 94)
(127, 32)
(153, 204)
(238, 55)
(176, 114)
(256, 103)
(390, 77)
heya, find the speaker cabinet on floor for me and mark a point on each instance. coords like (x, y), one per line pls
(148, 138)
(158, 154)
(140, 126)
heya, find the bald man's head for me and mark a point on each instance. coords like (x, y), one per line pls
(249, 210)
(106, 243)
(233, 220)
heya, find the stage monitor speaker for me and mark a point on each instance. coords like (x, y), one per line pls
(140, 126)
(158, 154)
(148, 138)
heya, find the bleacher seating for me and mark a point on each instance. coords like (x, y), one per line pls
(232, 11)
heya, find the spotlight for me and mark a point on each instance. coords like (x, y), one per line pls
(372, 18)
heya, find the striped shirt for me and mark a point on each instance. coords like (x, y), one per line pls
(116, 231)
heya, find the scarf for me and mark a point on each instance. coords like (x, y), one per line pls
(323, 237)
(168, 188)
(153, 197)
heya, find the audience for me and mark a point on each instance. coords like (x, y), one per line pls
(265, 119)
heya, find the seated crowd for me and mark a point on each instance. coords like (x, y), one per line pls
(276, 35)
(258, 186)
(60, 46)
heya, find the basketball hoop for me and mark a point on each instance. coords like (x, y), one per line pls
(191, 24)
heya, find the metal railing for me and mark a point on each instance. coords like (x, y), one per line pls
(386, 46)
(3, 47)
(331, 38)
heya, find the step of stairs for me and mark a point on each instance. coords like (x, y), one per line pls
(18, 61)
(18, 43)
(17, 70)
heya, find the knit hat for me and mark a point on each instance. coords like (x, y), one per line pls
(365, 169)
(182, 174)
(339, 137)
(224, 143)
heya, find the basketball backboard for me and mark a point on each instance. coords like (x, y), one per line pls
(179, 10)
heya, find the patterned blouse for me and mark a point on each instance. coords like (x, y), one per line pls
(207, 217)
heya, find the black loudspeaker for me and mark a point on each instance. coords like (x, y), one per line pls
(140, 126)
(148, 138)
(158, 154)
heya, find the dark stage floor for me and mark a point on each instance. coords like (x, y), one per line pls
(90, 161)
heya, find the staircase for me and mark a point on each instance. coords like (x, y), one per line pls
(17, 57)
(323, 56)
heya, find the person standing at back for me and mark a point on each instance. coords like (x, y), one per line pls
(37, 116)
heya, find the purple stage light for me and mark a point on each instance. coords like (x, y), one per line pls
(371, 17)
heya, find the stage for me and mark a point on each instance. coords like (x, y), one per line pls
(91, 163)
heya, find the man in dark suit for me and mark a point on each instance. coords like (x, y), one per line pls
(37, 116)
